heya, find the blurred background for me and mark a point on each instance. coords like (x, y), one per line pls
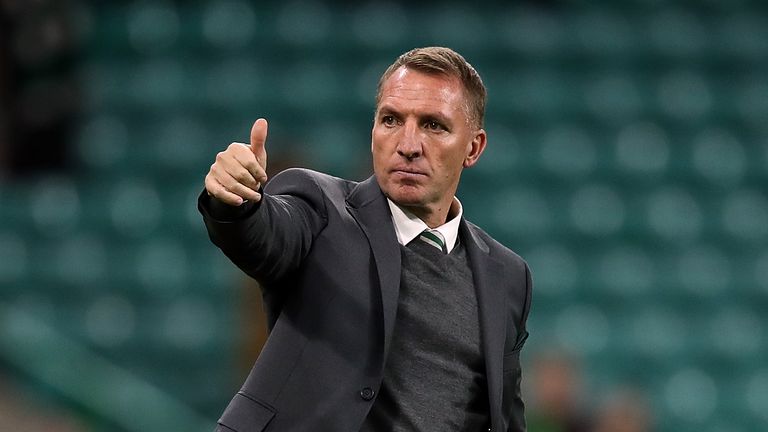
(627, 162)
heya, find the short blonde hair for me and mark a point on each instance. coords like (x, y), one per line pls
(443, 61)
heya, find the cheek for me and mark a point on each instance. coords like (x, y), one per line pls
(383, 144)
(378, 139)
(453, 156)
(379, 153)
(376, 144)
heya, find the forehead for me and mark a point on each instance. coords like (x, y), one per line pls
(411, 87)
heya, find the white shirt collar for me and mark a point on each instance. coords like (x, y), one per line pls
(408, 226)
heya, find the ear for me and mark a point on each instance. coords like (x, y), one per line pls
(475, 148)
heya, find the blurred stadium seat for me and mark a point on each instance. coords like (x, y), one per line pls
(627, 162)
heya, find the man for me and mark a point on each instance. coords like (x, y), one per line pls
(387, 310)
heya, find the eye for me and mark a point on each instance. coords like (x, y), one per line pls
(434, 125)
(388, 120)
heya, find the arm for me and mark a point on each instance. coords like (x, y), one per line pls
(266, 234)
(270, 238)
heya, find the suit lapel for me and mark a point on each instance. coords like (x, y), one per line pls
(488, 276)
(368, 206)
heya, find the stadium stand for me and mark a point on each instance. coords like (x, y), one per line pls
(627, 162)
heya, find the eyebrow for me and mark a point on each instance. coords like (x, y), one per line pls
(436, 115)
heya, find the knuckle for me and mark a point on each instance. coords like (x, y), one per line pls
(230, 184)
(239, 177)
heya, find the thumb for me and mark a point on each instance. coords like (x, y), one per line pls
(258, 139)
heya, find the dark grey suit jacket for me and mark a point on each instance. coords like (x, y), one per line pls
(325, 252)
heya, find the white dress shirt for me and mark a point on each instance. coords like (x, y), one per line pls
(408, 226)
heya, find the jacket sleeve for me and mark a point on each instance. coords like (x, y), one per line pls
(517, 419)
(269, 239)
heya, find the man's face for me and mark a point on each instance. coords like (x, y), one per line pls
(421, 140)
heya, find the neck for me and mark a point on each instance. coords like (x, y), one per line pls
(434, 217)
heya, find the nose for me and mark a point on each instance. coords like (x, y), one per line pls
(409, 144)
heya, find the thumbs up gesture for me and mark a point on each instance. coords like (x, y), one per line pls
(240, 170)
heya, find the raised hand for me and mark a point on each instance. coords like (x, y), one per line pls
(239, 171)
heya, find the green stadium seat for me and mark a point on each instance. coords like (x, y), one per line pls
(135, 208)
(162, 267)
(614, 98)
(109, 320)
(158, 83)
(758, 277)
(501, 157)
(691, 396)
(754, 395)
(14, 261)
(108, 84)
(626, 272)
(300, 90)
(102, 142)
(744, 35)
(153, 26)
(190, 324)
(14, 211)
(658, 332)
(704, 272)
(532, 32)
(597, 210)
(235, 83)
(719, 156)
(304, 23)
(642, 150)
(55, 206)
(521, 212)
(556, 270)
(544, 94)
(583, 328)
(212, 274)
(604, 32)
(365, 84)
(107, 31)
(230, 25)
(736, 333)
(679, 33)
(183, 146)
(751, 100)
(568, 151)
(380, 25)
(80, 260)
(685, 96)
(744, 216)
(336, 148)
(674, 215)
(456, 25)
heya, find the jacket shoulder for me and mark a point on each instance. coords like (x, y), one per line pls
(305, 176)
(496, 248)
(292, 179)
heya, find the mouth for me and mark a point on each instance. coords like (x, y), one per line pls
(407, 172)
(408, 176)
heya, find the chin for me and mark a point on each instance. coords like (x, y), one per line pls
(406, 196)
